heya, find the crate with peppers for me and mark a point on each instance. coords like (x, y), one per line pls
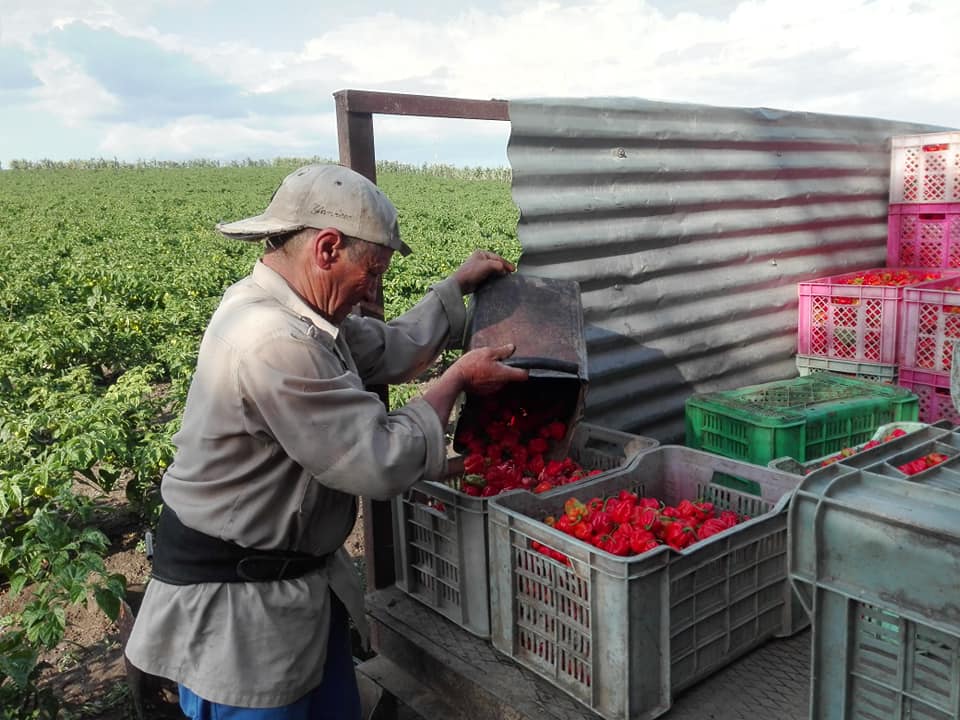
(631, 524)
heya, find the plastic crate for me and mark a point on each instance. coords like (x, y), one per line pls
(875, 561)
(931, 325)
(933, 394)
(440, 533)
(925, 168)
(902, 446)
(846, 321)
(803, 418)
(623, 634)
(924, 235)
(810, 364)
(788, 464)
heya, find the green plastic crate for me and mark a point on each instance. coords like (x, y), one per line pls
(803, 418)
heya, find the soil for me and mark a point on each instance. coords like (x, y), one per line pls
(87, 669)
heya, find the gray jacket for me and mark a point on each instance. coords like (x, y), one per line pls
(278, 439)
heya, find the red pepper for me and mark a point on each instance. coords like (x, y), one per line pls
(537, 446)
(728, 518)
(678, 536)
(627, 495)
(710, 527)
(535, 465)
(555, 430)
(616, 545)
(647, 518)
(621, 511)
(474, 463)
(640, 540)
(601, 523)
(595, 504)
(582, 530)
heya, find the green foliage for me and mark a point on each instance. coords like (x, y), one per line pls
(108, 276)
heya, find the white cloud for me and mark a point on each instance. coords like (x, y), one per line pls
(203, 137)
(883, 58)
(69, 93)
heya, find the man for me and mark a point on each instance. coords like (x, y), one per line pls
(247, 608)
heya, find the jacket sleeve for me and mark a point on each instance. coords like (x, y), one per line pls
(403, 348)
(296, 391)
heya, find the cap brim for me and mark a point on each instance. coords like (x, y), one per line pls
(404, 249)
(257, 227)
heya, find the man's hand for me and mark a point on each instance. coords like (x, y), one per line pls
(478, 371)
(482, 373)
(478, 267)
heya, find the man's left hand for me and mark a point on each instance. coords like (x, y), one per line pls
(477, 268)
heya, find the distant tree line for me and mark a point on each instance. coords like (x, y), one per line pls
(432, 169)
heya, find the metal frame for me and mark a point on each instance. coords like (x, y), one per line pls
(355, 111)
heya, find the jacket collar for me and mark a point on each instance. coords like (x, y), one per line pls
(274, 284)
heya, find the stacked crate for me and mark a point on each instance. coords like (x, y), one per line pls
(924, 231)
(898, 324)
(851, 323)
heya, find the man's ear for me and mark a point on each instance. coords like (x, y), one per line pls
(327, 246)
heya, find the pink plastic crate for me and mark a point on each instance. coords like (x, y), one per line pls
(852, 322)
(933, 394)
(924, 235)
(925, 168)
(931, 325)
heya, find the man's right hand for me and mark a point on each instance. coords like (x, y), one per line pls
(478, 371)
(482, 373)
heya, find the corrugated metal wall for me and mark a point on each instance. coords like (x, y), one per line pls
(688, 228)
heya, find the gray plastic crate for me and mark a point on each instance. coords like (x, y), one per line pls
(440, 533)
(623, 634)
(796, 467)
(898, 451)
(875, 560)
(809, 364)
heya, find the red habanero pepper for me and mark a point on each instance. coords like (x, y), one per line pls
(647, 518)
(474, 463)
(711, 526)
(618, 545)
(537, 446)
(536, 465)
(621, 511)
(565, 523)
(670, 512)
(678, 536)
(582, 530)
(728, 518)
(627, 495)
(640, 540)
(601, 522)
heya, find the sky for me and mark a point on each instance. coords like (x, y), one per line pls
(234, 79)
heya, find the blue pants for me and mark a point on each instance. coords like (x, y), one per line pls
(336, 698)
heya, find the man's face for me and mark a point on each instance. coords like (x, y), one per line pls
(359, 275)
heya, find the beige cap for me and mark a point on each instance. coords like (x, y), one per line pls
(322, 196)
